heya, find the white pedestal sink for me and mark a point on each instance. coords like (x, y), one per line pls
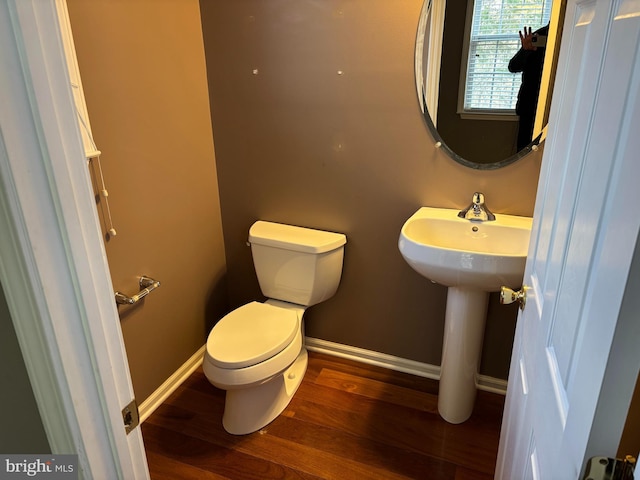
(472, 259)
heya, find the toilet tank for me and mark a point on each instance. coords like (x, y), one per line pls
(295, 264)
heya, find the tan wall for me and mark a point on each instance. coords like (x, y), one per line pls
(297, 142)
(144, 77)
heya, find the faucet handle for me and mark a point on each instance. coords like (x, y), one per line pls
(477, 211)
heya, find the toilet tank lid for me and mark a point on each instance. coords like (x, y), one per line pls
(299, 239)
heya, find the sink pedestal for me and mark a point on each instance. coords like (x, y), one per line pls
(463, 336)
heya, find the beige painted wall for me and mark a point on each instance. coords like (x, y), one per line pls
(143, 71)
(316, 123)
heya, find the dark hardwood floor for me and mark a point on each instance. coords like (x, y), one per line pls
(347, 421)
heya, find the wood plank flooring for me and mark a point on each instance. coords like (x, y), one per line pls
(347, 421)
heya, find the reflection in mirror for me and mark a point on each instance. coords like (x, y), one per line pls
(479, 131)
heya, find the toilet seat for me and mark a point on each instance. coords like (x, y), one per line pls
(251, 334)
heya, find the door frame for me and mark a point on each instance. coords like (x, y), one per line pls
(53, 265)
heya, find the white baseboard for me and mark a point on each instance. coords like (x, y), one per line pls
(486, 383)
(489, 384)
(156, 399)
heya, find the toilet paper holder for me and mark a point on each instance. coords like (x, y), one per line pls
(147, 285)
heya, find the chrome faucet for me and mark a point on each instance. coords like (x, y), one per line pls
(477, 211)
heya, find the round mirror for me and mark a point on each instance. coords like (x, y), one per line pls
(465, 88)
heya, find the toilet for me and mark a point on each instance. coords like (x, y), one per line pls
(256, 353)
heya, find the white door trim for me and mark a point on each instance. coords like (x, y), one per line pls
(52, 261)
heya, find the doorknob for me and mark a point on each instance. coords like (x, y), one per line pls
(509, 296)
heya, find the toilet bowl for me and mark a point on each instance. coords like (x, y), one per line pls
(256, 352)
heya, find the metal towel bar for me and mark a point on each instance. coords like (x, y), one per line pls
(147, 285)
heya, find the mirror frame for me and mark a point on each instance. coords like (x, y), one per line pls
(434, 9)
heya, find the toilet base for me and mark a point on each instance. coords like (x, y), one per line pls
(247, 410)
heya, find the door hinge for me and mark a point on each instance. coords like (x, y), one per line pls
(130, 416)
(603, 468)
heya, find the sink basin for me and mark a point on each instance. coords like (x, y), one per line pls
(455, 252)
(472, 259)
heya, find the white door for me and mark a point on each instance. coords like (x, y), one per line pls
(585, 228)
